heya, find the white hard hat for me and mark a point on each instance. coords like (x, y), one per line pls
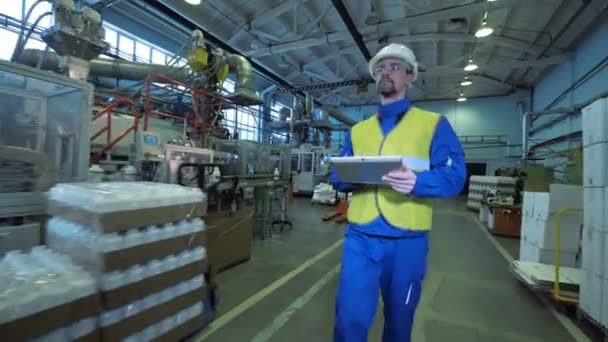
(398, 51)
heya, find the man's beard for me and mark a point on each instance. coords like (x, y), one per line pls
(386, 87)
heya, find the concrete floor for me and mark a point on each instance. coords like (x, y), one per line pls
(469, 292)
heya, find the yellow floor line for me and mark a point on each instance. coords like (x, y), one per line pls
(251, 301)
(574, 330)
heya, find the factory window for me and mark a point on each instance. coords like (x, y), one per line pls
(126, 47)
(11, 16)
(158, 57)
(142, 52)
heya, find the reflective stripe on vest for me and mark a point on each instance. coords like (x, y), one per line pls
(410, 138)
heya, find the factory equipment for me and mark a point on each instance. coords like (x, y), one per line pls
(309, 163)
(42, 114)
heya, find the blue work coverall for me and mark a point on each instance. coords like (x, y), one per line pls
(377, 255)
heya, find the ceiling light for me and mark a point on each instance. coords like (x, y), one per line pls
(466, 83)
(484, 30)
(193, 2)
(471, 66)
(461, 98)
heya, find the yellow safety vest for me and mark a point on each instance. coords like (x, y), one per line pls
(410, 138)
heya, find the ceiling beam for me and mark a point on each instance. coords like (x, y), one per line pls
(449, 71)
(466, 11)
(352, 28)
(263, 16)
(508, 63)
(315, 23)
(421, 37)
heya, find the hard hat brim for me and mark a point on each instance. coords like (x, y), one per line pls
(377, 58)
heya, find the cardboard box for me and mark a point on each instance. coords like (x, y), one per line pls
(528, 204)
(228, 240)
(570, 232)
(507, 221)
(595, 164)
(596, 294)
(604, 310)
(126, 258)
(123, 220)
(559, 196)
(94, 336)
(587, 249)
(129, 293)
(585, 291)
(598, 252)
(535, 253)
(180, 332)
(595, 204)
(54, 318)
(139, 322)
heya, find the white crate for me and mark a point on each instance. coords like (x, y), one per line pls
(534, 253)
(595, 123)
(595, 204)
(560, 196)
(595, 164)
(598, 240)
(604, 309)
(587, 249)
(595, 287)
(542, 233)
(605, 257)
(585, 298)
(528, 204)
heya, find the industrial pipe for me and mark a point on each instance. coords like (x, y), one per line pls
(106, 67)
(244, 88)
(338, 115)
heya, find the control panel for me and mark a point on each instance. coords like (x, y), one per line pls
(148, 147)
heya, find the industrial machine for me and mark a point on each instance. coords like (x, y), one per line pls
(310, 167)
(41, 114)
(135, 131)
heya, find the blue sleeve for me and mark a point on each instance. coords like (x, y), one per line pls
(448, 167)
(347, 151)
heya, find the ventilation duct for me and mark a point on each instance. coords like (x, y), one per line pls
(105, 67)
(338, 115)
(244, 89)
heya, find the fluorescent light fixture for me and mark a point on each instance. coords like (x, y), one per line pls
(484, 30)
(193, 2)
(466, 83)
(461, 99)
(471, 66)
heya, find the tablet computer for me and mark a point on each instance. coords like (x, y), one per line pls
(365, 169)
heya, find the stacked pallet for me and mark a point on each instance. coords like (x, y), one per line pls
(594, 282)
(143, 243)
(46, 297)
(538, 231)
(479, 185)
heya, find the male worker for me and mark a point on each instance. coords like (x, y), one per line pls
(386, 241)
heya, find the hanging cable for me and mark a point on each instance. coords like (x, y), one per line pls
(19, 48)
(24, 23)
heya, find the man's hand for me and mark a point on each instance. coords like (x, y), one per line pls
(402, 180)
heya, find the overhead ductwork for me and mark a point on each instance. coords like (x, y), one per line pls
(338, 115)
(105, 67)
(244, 88)
(244, 92)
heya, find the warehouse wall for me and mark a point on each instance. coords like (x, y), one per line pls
(581, 78)
(483, 116)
